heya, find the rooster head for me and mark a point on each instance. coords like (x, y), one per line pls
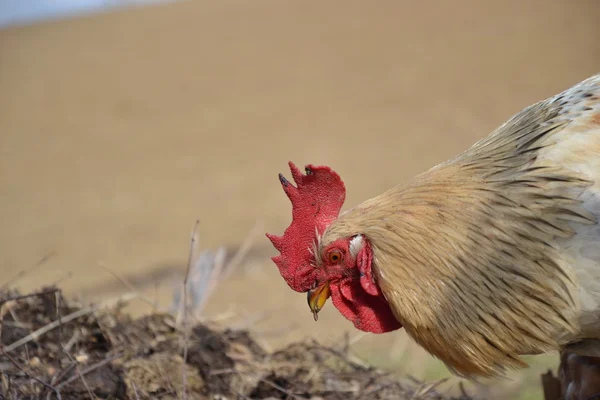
(341, 269)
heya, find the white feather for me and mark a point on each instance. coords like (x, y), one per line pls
(356, 244)
(577, 148)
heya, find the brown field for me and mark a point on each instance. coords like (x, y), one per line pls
(117, 131)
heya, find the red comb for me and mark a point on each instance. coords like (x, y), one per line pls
(316, 201)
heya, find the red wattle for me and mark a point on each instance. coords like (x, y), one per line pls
(367, 313)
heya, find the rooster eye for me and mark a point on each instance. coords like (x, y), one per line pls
(335, 256)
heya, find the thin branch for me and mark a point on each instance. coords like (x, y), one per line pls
(135, 391)
(74, 339)
(63, 278)
(47, 385)
(185, 311)
(45, 329)
(28, 363)
(428, 387)
(91, 368)
(24, 272)
(58, 377)
(128, 285)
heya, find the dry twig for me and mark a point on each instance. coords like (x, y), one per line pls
(427, 388)
(24, 272)
(86, 371)
(185, 311)
(135, 391)
(129, 286)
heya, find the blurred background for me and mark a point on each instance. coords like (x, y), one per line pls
(122, 122)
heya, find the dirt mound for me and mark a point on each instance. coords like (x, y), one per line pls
(51, 349)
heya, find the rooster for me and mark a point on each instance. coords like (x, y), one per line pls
(489, 256)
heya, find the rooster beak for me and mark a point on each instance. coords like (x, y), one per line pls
(317, 297)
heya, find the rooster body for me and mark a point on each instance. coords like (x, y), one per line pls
(491, 255)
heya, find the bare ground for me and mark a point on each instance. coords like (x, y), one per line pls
(104, 353)
(117, 131)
